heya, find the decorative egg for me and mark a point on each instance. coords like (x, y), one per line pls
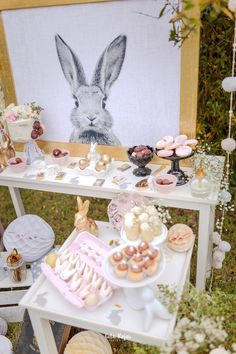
(224, 196)
(88, 342)
(3, 327)
(232, 5)
(218, 256)
(30, 235)
(217, 265)
(224, 246)
(83, 163)
(51, 259)
(106, 158)
(100, 166)
(5, 345)
(228, 144)
(91, 300)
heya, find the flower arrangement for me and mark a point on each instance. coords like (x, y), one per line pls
(13, 113)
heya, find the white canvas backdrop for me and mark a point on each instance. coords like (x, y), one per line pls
(144, 101)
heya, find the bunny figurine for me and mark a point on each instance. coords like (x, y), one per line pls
(6, 149)
(90, 119)
(82, 222)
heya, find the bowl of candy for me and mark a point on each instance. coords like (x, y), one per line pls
(140, 156)
(60, 156)
(17, 164)
(165, 183)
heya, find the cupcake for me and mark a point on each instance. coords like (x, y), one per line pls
(143, 217)
(156, 224)
(121, 269)
(131, 227)
(135, 273)
(129, 251)
(146, 231)
(137, 259)
(153, 254)
(143, 248)
(116, 258)
(151, 210)
(150, 267)
(136, 210)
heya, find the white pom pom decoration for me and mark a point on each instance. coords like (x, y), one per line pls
(232, 5)
(88, 342)
(5, 345)
(229, 84)
(216, 238)
(224, 246)
(3, 327)
(224, 196)
(228, 144)
(218, 256)
(30, 235)
(217, 265)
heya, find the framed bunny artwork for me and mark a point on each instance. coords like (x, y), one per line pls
(103, 70)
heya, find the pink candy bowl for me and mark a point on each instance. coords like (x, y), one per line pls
(17, 168)
(166, 188)
(63, 160)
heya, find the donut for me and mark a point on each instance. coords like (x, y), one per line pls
(165, 153)
(180, 139)
(183, 151)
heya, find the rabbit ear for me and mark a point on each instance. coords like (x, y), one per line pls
(109, 65)
(85, 208)
(79, 202)
(70, 64)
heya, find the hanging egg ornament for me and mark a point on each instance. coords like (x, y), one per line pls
(216, 238)
(229, 84)
(87, 342)
(228, 144)
(5, 345)
(3, 327)
(232, 5)
(224, 246)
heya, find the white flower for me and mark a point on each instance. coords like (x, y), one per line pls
(234, 347)
(199, 337)
(219, 351)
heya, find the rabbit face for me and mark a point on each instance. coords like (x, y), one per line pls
(89, 114)
(91, 121)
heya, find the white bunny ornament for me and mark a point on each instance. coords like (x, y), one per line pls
(92, 123)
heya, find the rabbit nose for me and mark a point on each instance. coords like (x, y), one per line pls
(91, 118)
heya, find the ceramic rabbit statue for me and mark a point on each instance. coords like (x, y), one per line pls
(6, 149)
(82, 222)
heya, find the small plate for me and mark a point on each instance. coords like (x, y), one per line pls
(157, 239)
(185, 249)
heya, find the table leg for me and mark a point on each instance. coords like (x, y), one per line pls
(17, 201)
(206, 214)
(43, 333)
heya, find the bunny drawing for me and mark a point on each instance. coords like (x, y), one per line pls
(82, 222)
(90, 119)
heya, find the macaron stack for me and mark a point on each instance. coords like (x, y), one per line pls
(180, 146)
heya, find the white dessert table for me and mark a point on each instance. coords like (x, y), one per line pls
(114, 318)
(180, 198)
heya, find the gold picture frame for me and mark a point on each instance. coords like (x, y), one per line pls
(188, 80)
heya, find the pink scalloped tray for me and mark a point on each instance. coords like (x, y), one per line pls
(81, 264)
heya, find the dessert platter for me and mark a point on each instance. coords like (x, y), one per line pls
(180, 238)
(142, 223)
(175, 150)
(128, 266)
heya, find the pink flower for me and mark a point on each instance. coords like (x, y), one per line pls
(11, 118)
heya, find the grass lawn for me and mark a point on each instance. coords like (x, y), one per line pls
(58, 210)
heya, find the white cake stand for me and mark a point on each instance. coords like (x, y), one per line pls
(157, 240)
(140, 295)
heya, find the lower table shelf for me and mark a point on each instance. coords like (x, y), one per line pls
(115, 317)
